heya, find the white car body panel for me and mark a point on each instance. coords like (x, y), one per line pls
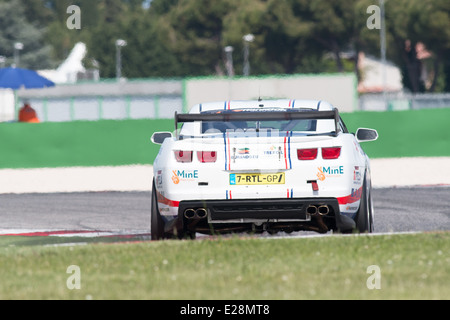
(267, 153)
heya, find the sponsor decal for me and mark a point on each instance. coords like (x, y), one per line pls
(245, 156)
(159, 180)
(184, 175)
(330, 172)
(356, 175)
(274, 150)
(354, 196)
(243, 153)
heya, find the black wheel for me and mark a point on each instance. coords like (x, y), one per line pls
(156, 223)
(364, 217)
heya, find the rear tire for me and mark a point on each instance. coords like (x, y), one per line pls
(364, 217)
(157, 223)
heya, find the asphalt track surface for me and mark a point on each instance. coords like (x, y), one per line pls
(410, 209)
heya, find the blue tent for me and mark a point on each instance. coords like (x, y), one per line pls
(17, 78)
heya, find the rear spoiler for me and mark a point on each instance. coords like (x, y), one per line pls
(259, 116)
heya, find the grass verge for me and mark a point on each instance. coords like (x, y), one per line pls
(412, 266)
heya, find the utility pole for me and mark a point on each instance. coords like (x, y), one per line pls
(383, 51)
(119, 44)
(247, 39)
(229, 60)
(18, 46)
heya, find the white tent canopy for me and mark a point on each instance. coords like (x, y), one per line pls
(67, 72)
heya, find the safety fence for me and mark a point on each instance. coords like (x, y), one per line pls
(161, 98)
(106, 108)
(403, 101)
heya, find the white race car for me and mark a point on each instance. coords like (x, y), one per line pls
(263, 165)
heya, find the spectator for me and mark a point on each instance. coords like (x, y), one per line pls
(28, 114)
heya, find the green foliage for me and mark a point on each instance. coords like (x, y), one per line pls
(173, 38)
(14, 27)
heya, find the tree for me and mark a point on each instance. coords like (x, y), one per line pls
(14, 28)
(195, 34)
(411, 24)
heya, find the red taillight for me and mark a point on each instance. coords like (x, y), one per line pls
(183, 156)
(331, 153)
(207, 156)
(307, 154)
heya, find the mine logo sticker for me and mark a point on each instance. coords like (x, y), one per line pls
(330, 172)
(184, 175)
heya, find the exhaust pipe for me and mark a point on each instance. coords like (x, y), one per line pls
(201, 213)
(323, 210)
(189, 213)
(312, 210)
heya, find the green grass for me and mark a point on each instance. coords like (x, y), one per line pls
(412, 266)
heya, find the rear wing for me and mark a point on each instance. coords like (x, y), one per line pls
(259, 116)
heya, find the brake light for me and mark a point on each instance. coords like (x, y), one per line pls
(207, 156)
(183, 156)
(331, 153)
(307, 154)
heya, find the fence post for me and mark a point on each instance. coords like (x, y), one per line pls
(45, 107)
(128, 106)
(100, 108)
(156, 106)
(72, 108)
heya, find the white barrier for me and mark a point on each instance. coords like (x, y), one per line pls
(6, 105)
(338, 89)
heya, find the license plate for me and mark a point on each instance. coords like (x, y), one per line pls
(256, 178)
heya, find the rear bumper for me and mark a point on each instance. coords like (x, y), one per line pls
(260, 214)
(231, 210)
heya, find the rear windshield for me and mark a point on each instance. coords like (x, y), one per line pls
(264, 127)
(248, 126)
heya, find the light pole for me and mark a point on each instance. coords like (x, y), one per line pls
(247, 39)
(119, 44)
(229, 60)
(18, 46)
(383, 50)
